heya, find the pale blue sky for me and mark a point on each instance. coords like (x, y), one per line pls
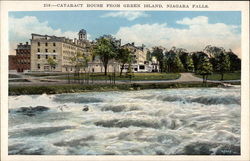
(97, 25)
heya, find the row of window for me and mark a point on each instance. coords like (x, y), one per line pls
(69, 52)
(69, 47)
(46, 50)
(23, 51)
(67, 57)
(46, 44)
(23, 61)
(46, 56)
(46, 67)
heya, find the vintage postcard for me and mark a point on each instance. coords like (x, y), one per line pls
(124, 80)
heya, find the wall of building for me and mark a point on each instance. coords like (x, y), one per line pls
(12, 62)
(40, 53)
(21, 61)
(23, 57)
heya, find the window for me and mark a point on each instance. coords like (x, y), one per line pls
(38, 56)
(38, 50)
(141, 67)
(46, 68)
(46, 50)
(46, 56)
(54, 44)
(46, 44)
(38, 43)
(54, 57)
(54, 51)
(38, 66)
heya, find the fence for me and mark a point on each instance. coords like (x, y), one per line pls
(94, 78)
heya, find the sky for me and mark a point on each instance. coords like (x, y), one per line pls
(192, 30)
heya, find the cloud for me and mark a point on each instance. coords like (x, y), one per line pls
(20, 30)
(195, 21)
(129, 15)
(195, 37)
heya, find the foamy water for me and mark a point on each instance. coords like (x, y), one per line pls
(165, 121)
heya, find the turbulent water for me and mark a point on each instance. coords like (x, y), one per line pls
(147, 122)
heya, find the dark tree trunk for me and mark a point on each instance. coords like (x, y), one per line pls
(222, 76)
(105, 61)
(121, 70)
(105, 70)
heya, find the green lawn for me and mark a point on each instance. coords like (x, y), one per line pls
(227, 76)
(46, 74)
(135, 76)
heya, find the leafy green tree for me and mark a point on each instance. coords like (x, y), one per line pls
(169, 60)
(235, 61)
(158, 53)
(187, 61)
(222, 63)
(213, 51)
(197, 58)
(79, 61)
(52, 63)
(189, 64)
(204, 68)
(177, 64)
(123, 56)
(106, 50)
(149, 56)
(173, 62)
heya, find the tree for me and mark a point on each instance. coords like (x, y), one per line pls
(106, 50)
(197, 57)
(187, 61)
(158, 53)
(169, 60)
(189, 64)
(213, 51)
(235, 61)
(52, 63)
(222, 63)
(80, 60)
(173, 62)
(123, 56)
(204, 68)
(177, 64)
(149, 56)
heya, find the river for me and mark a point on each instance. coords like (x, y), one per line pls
(147, 122)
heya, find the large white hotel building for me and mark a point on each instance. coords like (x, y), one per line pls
(62, 49)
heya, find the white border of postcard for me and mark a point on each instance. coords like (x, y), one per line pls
(242, 6)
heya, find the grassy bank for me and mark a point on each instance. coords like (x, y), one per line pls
(75, 88)
(227, 76)
(134, 76)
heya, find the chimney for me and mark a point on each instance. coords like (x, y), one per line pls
(133, 43)
(27, 43)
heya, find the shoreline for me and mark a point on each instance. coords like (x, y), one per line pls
(80, 88)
